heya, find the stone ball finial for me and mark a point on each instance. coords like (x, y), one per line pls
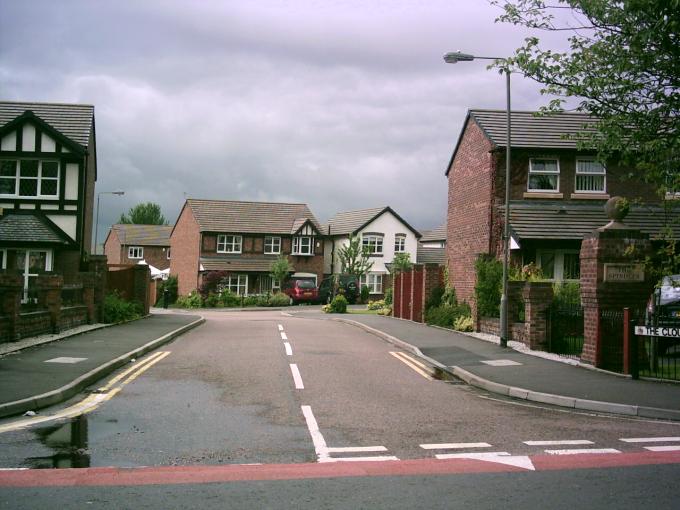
(617, 208)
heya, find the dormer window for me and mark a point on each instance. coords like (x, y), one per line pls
(229, 244)
(372, 243)
(544, 174)
(302, 245)
(29, 178)
(590, 176)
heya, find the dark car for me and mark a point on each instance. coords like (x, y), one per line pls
(346, 283)
(301, 291)
(664, 305)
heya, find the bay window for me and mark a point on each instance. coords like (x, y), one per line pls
(373, 281)
(303, 245)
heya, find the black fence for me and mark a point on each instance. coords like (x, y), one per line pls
(564, 330)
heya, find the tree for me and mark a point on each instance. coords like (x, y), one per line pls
(355, 258)
(622, 67)
(401, 263)
(144, 214)
(280, 268)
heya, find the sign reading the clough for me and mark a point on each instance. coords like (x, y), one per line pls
(670, 331)
(624, 273)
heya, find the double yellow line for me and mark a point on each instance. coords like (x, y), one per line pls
(95, 399)
(413, 363)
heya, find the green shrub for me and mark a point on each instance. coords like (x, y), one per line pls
(389, 294)
(171, 285)
(488, 288)
(376, 305)
(387, 310)
(365, 292)
(212, 300)
(435, 298)
(193, 300)
(229, 299)
(116, 309)
(279, 299)
(339, 304)
(446, 315)
(463, 323)
(566, 294)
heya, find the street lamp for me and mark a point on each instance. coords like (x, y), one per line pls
(453, 58)
(96, 226)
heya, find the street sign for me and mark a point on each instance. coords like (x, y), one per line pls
(624, 273)
(668, 331)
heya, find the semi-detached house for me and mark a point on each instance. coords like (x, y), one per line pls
(132, 244)
(242, 240)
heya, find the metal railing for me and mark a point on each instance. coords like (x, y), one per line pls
(565, 330)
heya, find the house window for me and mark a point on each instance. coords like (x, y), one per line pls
(237, 283)
(31, 263)
(167, 253)
(29, 178)
(400, 243)
(590, 176)
(373, 281)
(559, 265)
(302, 245)
(372, 243)
(229, 244)
(544, 175)
(136, 252)
(272, 245)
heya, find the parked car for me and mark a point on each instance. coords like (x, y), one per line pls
(347, 282)
(663, 307)
(301, 291)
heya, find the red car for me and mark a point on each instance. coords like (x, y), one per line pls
(301, 291)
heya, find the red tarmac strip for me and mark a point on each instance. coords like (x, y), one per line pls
(167, 475)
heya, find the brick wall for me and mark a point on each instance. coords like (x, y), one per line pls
(72, 317)
(469, 220)
(157, 256)
(113, 249)
(185, 245)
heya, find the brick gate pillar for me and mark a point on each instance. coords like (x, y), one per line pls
(612, 277)
(537, 299)
(11, 291)
(49, 287)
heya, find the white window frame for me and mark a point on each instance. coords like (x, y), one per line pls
(25, 270)
(228, 243)
(558, 264)
(302, 242)
(374, 282)
(135, 252)
(236, 281)
(543, 172)
(602, 174)
(373, 242)
(39, 178)
(400, 243)
(274, 245)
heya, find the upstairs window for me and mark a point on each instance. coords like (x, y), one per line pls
(544, 174)
(372, 243)
(302, 245)
(29, 178)
(136, 252)
(272, 245)
(229, 244)
(400, 243)
(590, 176)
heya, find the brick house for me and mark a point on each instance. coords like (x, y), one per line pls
(48, 169)
(130, 244)
(382, 231)
(244, 239)
(557, 195)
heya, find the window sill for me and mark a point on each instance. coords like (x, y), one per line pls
(375, 255)
(229, 252)
(303, 254)
(590, 196)
(541, 194)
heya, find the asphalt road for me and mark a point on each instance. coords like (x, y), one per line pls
(227, 394)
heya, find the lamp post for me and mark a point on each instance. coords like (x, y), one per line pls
(452, 58)
(96, 226)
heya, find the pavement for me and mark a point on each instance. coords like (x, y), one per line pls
(519, 375)
(44, 374)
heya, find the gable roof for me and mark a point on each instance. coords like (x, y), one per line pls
(30, 228)
(350, 222)
(75, 121)
(143, 235)
(528, 129)
(249, 217)
(436, 234)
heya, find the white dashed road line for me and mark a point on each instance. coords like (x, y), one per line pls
(289, 349)
(297, 377)
(280, 327)
(578, 451)
(453, 446)
(283, 336)
(670, 448)
(558, 443)
(649, 439)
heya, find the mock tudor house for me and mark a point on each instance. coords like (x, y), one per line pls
(243, 239)
(557, 195)
(48, 169)
(382, 231)
(131, 244)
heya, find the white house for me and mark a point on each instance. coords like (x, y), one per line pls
(382, 231)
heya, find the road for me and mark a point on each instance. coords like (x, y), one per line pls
(346, 419)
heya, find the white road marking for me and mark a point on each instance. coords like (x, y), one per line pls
(452, 446)
(289, 349)
(280, 327)
(65, 359)
(500, 362)
(14, 469)
(558, 443)
(648, 439)
(317, 438)
(521, 461)
(283, 336)
(351, 449)
(363, 459)
(670, 448)
(577, 451)
(297, 377)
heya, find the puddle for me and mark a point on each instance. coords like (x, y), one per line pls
(69, 442)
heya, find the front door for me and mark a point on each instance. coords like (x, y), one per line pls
(31, 263)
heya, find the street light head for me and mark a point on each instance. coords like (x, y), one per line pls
(118, 192)
(457, 56)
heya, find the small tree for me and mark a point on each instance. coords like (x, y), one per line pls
(354, 258)
(280, 268)
(401, 263)
(144, 214)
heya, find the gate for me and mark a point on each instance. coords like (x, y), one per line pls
(565, 330)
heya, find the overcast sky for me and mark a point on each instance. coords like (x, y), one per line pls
(338, 104)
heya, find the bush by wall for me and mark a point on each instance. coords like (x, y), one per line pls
(117, 309)
(566, 294)
(171, 285)
(365, 292)
(389, 294)
(446, 315)
(489, 286)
